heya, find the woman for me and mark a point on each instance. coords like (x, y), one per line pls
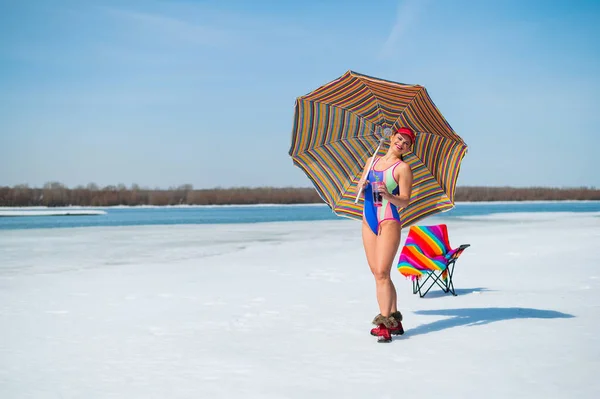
(381, 226)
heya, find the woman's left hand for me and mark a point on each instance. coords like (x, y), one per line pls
(385, 193)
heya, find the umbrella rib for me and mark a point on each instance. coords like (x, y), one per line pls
(407, 105)
(425, 165)
(421, 91)
(360, 120)
(379, 111)
(445, 138)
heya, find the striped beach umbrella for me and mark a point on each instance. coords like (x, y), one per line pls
(339, 125)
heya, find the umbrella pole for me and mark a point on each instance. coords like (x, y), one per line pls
(370, 166)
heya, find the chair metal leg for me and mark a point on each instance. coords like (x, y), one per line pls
(446, 285)
(449, 283)
(422, 284)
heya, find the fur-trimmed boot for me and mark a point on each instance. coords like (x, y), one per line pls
(395, 328)
(398, 330)
(382, 331)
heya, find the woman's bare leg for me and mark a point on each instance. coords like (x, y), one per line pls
(394, 298)
(387, 246)
(370, 244)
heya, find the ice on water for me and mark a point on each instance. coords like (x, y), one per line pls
(282, 310)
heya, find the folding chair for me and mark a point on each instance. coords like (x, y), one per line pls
(427, 253)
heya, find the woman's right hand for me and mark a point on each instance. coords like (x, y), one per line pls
(365, 184)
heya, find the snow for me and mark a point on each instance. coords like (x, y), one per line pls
(283, 310)
(50, 213)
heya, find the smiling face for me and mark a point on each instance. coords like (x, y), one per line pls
(400, 143)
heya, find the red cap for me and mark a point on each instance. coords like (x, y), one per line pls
(408, 132)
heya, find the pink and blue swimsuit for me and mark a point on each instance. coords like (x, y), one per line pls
(372, 214)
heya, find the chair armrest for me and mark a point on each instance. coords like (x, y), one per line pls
(458, 251)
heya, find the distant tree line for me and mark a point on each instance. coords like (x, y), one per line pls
(56, 194)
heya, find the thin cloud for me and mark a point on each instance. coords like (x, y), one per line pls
(173, 28)
(406, 16)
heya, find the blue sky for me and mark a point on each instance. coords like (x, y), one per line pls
(163, 93)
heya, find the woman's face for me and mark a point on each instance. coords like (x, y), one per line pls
(400, 143)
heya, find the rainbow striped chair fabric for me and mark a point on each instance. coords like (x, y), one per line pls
(427, 253)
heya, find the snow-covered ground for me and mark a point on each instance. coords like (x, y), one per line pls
(282, 310)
